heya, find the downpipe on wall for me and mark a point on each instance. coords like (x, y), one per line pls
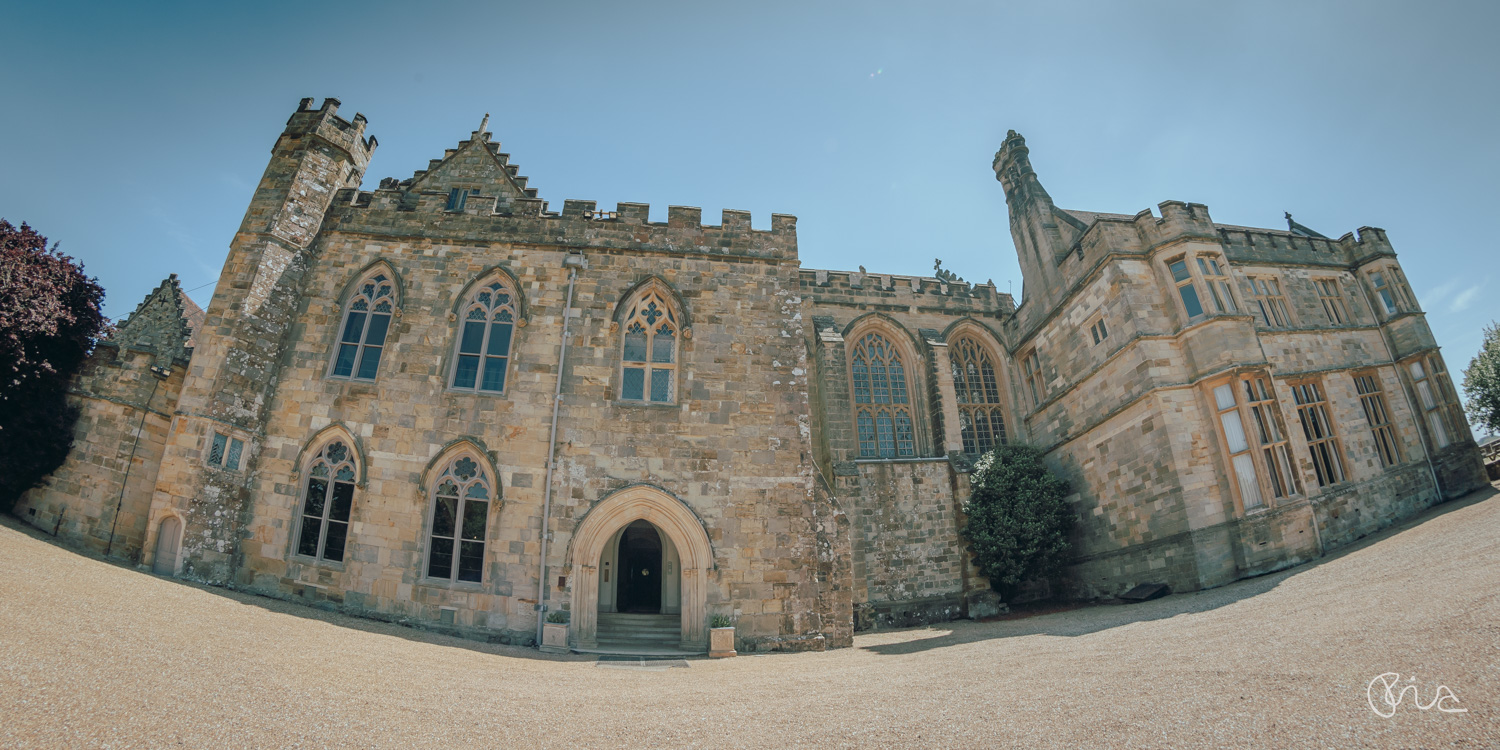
(160, 373)
(573, 262)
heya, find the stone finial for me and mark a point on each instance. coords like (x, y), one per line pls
(483, 123)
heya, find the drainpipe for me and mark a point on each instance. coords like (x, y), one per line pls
(573, 261)
(161, 373)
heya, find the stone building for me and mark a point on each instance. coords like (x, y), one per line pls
(443, 403)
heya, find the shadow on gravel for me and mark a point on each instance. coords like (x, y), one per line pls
(393, 627)
(1086, 619)
(1074, 621)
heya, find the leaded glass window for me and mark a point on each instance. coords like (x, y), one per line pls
(980, 418)
(648, 362)
(327, 499)
(1317, 427)
(367, 319)
(487, 324)
(882, 418)
(225, 451)
(460, 516)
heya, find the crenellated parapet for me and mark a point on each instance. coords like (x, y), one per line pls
(580, 224)
(324, 122)
(1249, 245)
(1178, 222)
(927, 293)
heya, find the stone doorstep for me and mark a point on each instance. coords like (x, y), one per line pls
(641, 651)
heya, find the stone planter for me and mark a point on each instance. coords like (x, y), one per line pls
(554, 637)
(721, 643)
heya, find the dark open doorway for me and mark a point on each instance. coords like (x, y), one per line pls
(640, 569)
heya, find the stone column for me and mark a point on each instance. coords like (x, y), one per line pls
(694, 610)
(952, 437)
(585, 620)
(833, 380)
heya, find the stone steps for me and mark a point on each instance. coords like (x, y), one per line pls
(627, 633)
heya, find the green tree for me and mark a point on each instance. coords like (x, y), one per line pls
(1018, 519)
(49, 320)
(1482, 382)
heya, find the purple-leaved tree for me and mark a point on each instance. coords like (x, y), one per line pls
(50, 319)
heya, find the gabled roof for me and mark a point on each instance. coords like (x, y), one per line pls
(475, 160)
(166, 324)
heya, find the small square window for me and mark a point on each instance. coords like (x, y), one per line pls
(226, 451)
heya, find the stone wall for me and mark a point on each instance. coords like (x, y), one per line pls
(99, 498)
(735, 447)
(758, 451)
(909, 561)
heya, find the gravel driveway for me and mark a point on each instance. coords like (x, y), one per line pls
(96, 655)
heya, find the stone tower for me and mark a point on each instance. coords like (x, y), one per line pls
(234, 371)
(1043, 233)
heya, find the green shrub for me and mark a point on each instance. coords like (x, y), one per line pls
(1018, 520)
(720, 621)
(557, 616)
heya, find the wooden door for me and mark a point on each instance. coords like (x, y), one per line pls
(168, 542)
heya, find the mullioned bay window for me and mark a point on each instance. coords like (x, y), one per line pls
(1378, 415)
(1202, 282)
(1391, 291)
(1254, 439)
(1435, 397)
(1318, 430)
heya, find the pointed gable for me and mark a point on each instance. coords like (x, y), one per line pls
(476, 165)
(165, 324)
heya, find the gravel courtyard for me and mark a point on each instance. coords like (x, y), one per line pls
(96, 655)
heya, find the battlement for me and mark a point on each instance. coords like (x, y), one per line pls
(324, 122)
(922, 291)
(1250, 245)
(1178, 220)
(580, 222)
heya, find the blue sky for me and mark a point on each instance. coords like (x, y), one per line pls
(133, 133)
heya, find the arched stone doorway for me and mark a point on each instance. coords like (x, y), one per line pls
(168, 543)
(616, 535)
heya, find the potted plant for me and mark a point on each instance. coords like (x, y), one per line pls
(721, 637)
(555, 633)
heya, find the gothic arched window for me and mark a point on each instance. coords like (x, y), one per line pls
(367, 318)
(460, 516)
(882, 417)
(648, 362)
(327, 498)
(487, 322)
(980, 417)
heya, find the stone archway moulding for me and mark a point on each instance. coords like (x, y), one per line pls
(675, 520)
